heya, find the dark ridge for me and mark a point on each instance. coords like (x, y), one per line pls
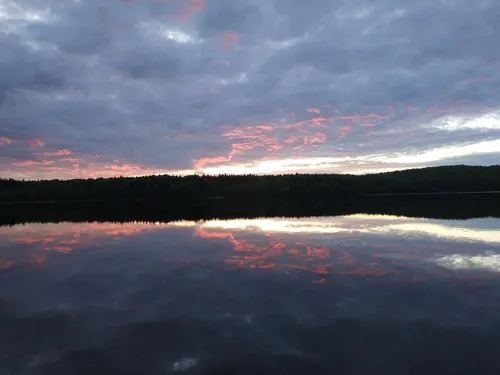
(459, 178)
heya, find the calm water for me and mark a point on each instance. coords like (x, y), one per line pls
(357, 294)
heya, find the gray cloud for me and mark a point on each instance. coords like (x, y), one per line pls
(160, 85)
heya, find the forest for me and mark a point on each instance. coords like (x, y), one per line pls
(296, 187)
(452, 206)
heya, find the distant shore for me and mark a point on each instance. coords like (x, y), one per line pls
(436, 193)
(59, 201)
(260, 189)
(436, 206)
(221, 198)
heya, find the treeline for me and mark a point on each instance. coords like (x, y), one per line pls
(252, 187)
(178, 188)
(459, 178)
(435, 207)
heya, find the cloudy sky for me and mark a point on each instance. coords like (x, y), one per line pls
(129, 87)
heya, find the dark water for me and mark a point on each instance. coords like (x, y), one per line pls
(353, 294)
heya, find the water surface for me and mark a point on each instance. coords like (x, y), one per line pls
(352, 294)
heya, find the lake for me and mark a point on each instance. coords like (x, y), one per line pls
(350, 294)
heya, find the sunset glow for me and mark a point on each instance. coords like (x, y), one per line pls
(220, 89)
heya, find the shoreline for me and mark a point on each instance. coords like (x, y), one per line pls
(224, 198)
(434, 193)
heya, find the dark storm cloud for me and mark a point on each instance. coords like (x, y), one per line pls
(23, 69)
(164, 85)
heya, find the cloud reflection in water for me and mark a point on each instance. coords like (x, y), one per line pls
(375, 245)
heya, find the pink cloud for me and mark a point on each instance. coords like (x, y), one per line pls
(69, 160)
(317, 138)
(27, 163)
(182, 136)
(194, 6)
(4, 264)
(5, 141)
(84, 167)
(313, 110)
(291, 139)
(59, 249)
(63, 152)
(275, 147)
(204, 161)
(265, 127)
(226, 40)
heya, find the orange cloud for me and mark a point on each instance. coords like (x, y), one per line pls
(226, 40)
(5, 141)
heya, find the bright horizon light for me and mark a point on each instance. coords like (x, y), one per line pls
(335, 164)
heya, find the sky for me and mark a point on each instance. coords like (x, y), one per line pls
(99, 88)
